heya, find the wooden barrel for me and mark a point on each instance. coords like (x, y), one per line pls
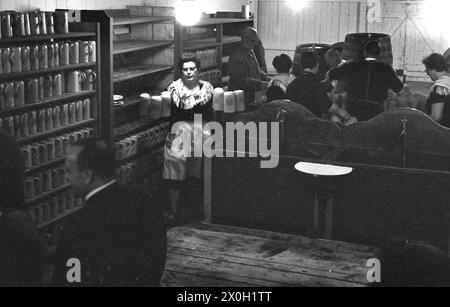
(354, 46)
(319, 49)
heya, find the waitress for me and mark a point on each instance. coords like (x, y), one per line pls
(438, 103)
(190, 96)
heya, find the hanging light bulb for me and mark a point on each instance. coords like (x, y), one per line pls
(435, 17)
(188, 12)
(297, 5)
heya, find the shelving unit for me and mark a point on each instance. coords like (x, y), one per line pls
(80, 125)
(210, 33)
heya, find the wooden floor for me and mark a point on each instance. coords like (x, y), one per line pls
(219, 256)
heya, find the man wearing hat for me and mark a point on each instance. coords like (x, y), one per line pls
(245, 72)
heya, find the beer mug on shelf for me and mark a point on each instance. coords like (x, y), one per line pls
(48, 86)
(72, 113)
(74, 52)
(26, 63)
(34, 57)
(32, 91)
(64, 113)
(8, 91)
(89, 83)
(27, 24)
(85, 51)
(56, 54)
(24, 124)
(49, 119)
(43, 56)
(40, 121)
(18, 24)
(57, 85)
(64, 54)
(42, 23)
(86, 109)
(6, 24)
(16, 59)
(41, 86)
(19, 94)
(74, 80)
(93, 51)
(2, 99)
(56, 120)
(61, 19)
(32, 126)
(51, 55)
(50, 21)
(35, 28)
(6, 60)
(51, 147)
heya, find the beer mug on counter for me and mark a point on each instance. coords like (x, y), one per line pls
(74, 80)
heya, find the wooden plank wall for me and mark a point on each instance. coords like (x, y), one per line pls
(328, 21)
(50, 5)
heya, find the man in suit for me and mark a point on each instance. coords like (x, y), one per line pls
(119, 236)
(368, 83)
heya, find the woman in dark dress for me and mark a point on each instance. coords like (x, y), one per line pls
(438, 104)
(190, 97)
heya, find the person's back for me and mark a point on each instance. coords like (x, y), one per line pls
(120, 237)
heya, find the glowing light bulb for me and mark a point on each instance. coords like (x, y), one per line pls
(297, 5)
(188, 12)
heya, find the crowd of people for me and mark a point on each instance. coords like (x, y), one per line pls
(119, 236)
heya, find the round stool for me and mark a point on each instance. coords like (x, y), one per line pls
(322, 175)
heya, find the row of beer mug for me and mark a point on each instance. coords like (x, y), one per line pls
(155, 107)
(43, 56)
(53, 148)
(59, 205)
(19, 24)
(130, 147)
(19, 93)
(35, 122)
(228, 102)
(45, 181)
(131, 126)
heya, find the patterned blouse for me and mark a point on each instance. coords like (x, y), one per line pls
(440, 93)
(185, 104)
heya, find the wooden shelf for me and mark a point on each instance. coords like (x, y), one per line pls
(55, 132)
(132, 45)
(29, 74)
(39, 38)
(46, 195)
(218, 21)
(132, 20)
(147, 125)
(128, 103)
(141, 154)
(60, 217)
(44, 166)
(136, 71)
(47, 102)
(210, 42)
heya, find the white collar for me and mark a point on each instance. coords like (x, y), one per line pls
(93, 192)
(371, 59)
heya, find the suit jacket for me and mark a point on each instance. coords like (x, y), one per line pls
(119, 238)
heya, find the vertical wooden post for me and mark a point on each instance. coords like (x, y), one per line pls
(179, 47)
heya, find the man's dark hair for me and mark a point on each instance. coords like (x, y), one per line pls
(436, 61)
(309, 60)
(187, 60)
(373, 48)
(96, 156)
(282, 63)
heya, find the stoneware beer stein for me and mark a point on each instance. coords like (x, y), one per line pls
(6, 61)
(35, 28)
(27, 24)
(57, 85)
(50, 22)
(74, 53)
(2, 98)
(89, 82)
(7, 30)
(43, 56)
(16, 59)
(61, 19)
(8, 91)
(48, 86)
(34, 57)
(1, 62)
(32, 91)
(85, 51)
(26, 63)
(19, 94)
(64, 54)
(93, 51)
(56, 54)
(74, 80)
(51, 55)
(42, 23)
(41, 88)
(18, 24)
